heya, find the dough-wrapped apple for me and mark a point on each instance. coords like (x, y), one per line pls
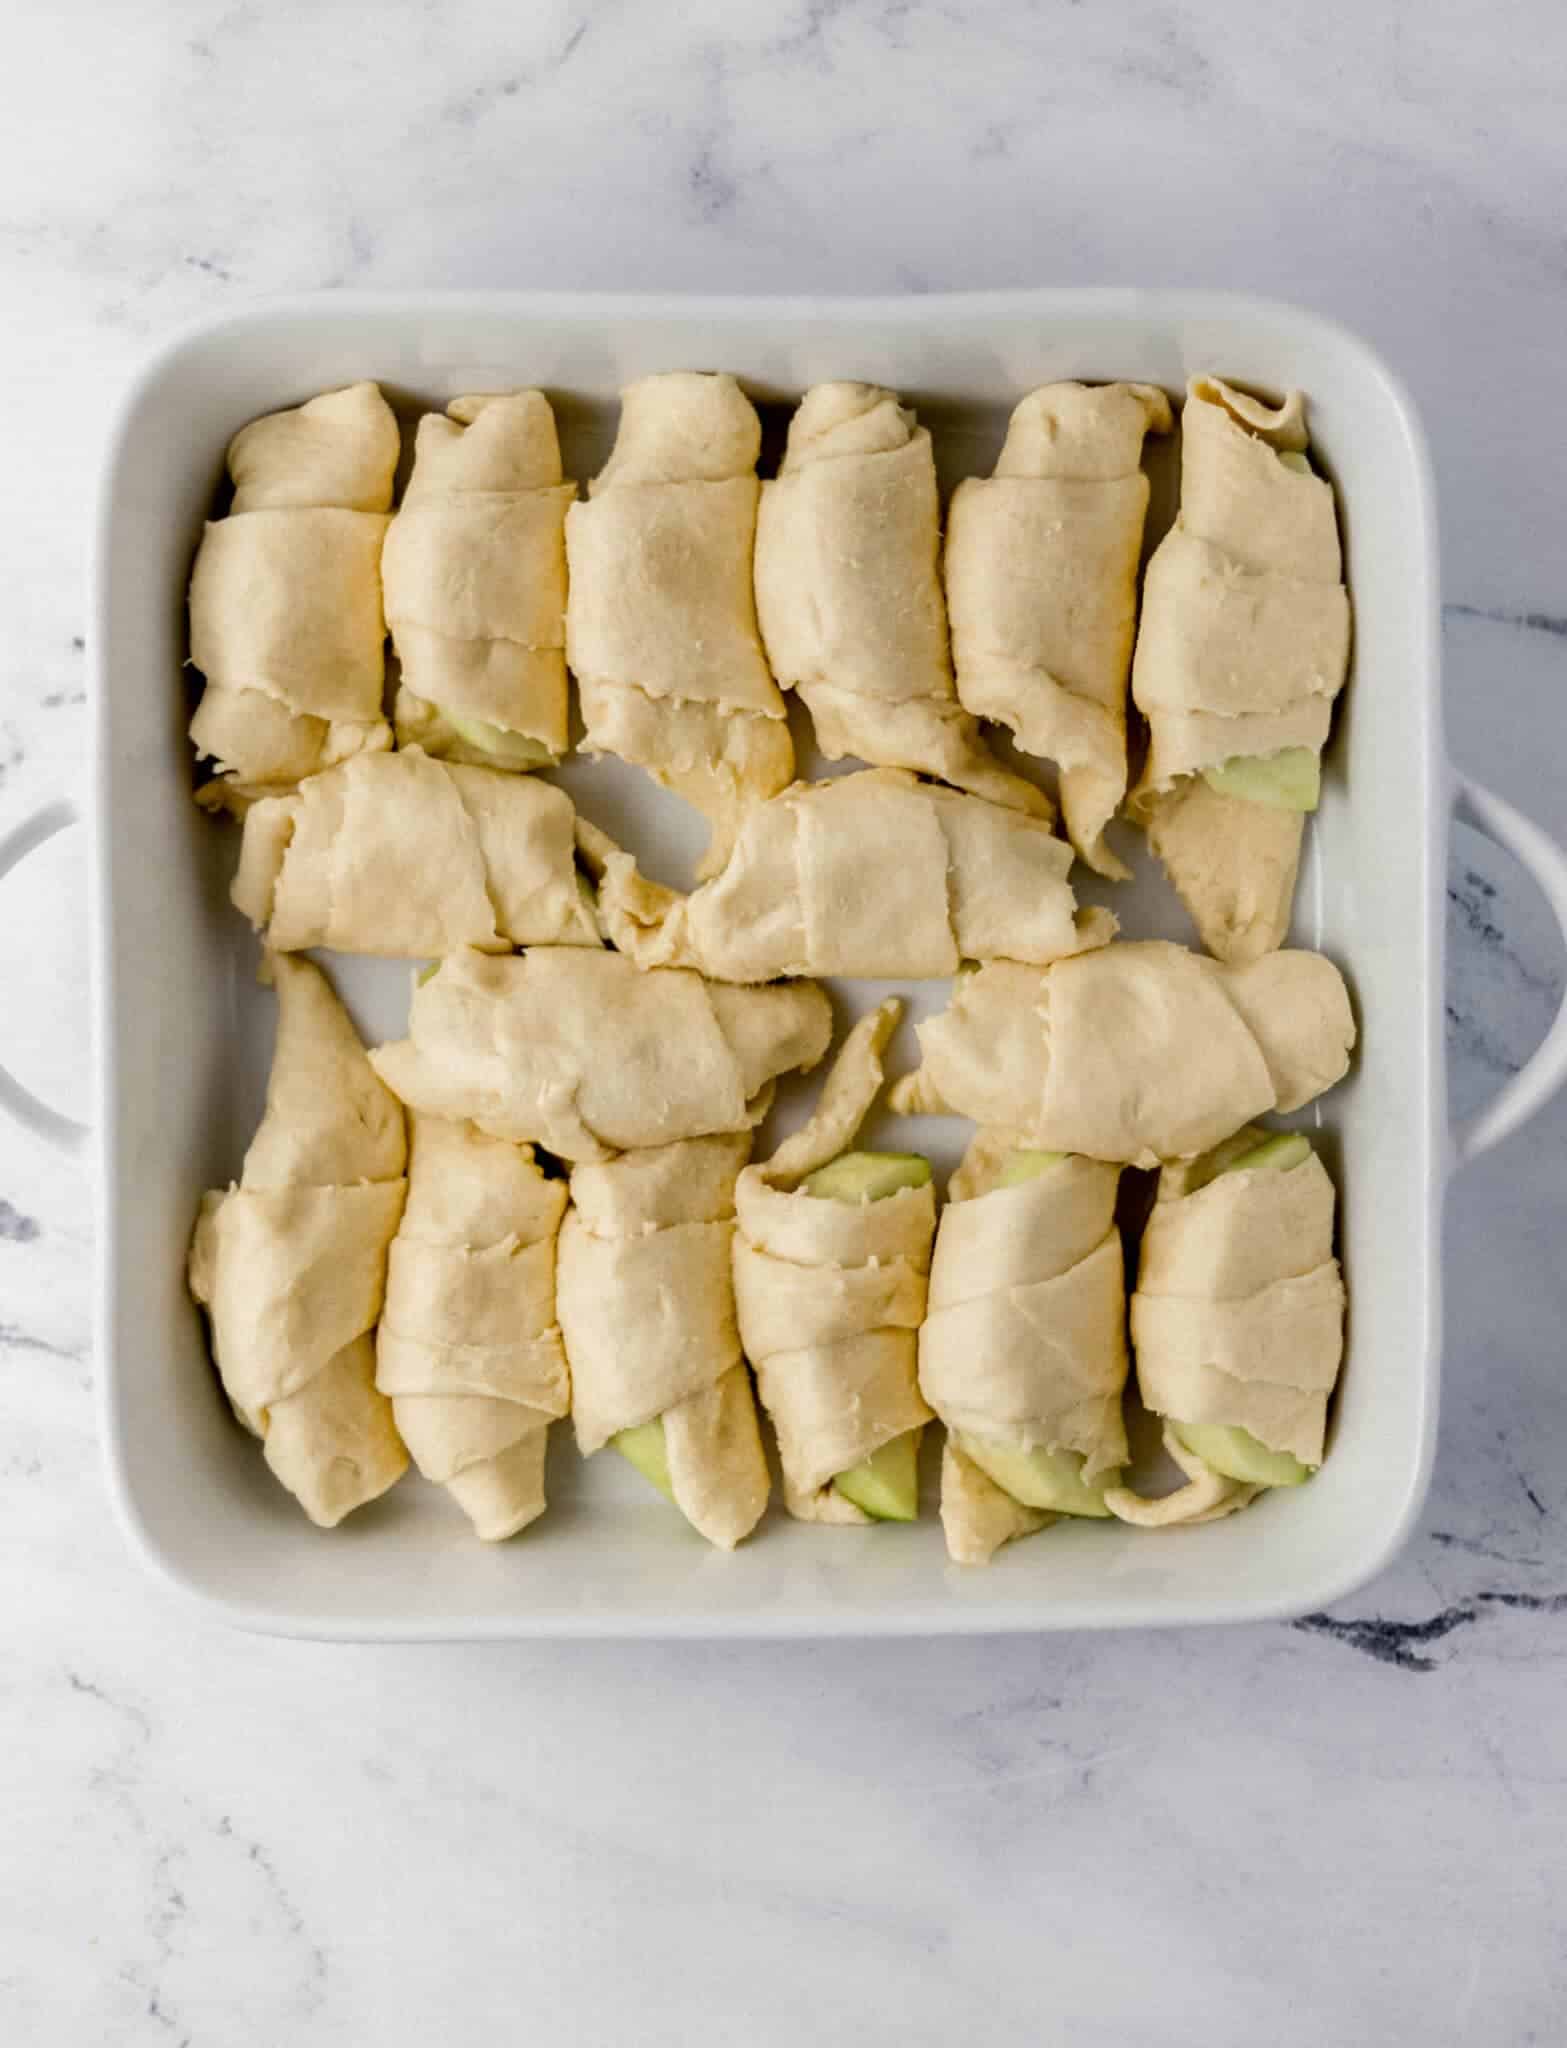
(848, 591)
(832, 1263)
(1136, 1053)
(401, 855)
(647, 1309)
(661, 629)
(290, 1265)
(1041, 576)
(874, 874)
(1023, 1349)
(1243, 646)
(475, 574)
(468, 1349)
(1237, 1323)
(286, 621)
(582, 1052)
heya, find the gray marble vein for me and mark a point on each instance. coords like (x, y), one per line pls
(1352, 1829)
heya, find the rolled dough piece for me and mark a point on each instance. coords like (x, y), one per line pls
(661, 628)
(977, 1516)
(647, 1308)
(1238, 1315)
(290, 1265)
(1025, 1337)
(1136, 1053)
(1041, 575)
(468, 1349)
(831, 1294)
(475, 575)
(874, 874)
(582, 1052)
(848, 591)
(403, 856)
(1243, 646)
(286, 622)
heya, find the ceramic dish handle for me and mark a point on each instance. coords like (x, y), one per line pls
(62, 1132)
(1540, 1076)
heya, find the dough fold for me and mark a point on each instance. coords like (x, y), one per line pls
(403, 856)
(848, 592)
(1024, 1341)
(582, 1052)
(1041, 577)
(1136, 1053)
(647, 1308)
(873, 874)
(475, 574)
(468, 1348)
(286, 622)
(661, 629)
(831, 1294)
(1242, 648)
(290, 1265)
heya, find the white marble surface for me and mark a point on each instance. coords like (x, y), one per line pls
(1353, 1830)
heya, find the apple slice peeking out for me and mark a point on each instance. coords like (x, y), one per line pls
(506, 748)
(1290, 780)
(643, 1446)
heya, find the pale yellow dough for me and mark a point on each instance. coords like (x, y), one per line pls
(400, 855)
(977, 1516)
(661, 629)
(1041, 576)
(848, 591)
(831, 1294)
(1238, 1313)
(1024, 1340)
(874, 874)
(286, 623)
(582, 1052)
(647, 1307)
(291, 1264)
(468, 1349)
(1242, 648)
(475, 576)
(1136, 1053)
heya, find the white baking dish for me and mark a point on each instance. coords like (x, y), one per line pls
(183, 1036)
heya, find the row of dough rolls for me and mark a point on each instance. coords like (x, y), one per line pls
(364, 1298)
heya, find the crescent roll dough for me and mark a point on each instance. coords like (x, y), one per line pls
(290, 1265)
(401, 855)
(1238, 1315)
(285, 596)
(874, 874)
(475, 576)
(831, 1294)
(1041, 572)
(647, 1308)
(661, 627)
(1136, 1053)
(582, 1052)
(848, 591)
(468, 1349)
(1243, 646)
(1025, 1338)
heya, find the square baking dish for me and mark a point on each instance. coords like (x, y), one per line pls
(184, 1034)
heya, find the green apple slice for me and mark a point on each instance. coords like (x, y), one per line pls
(506, 748)
(1022, 1166)
(1290, 780)
(1038, 1478)
(1293, 459)
(644, 1447)
(1278, 1154)
(886, 1485)
(1237, 1454)
(867, 1176)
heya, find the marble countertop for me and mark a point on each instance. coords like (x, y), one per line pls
(1349, 1830)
